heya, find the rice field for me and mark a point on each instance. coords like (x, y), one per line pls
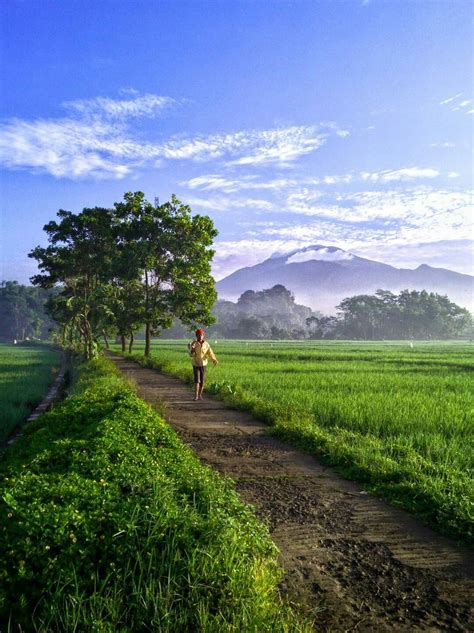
(397, 416)
(25, 375)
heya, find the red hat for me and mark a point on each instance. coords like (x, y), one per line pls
(200, 331)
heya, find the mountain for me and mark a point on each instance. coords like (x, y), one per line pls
(321, 276)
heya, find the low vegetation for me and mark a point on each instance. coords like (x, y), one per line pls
(398, 417)
(110, 524)
(26, 371)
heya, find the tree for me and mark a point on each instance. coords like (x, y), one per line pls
(79, 259)
(121, 267)
(22, 312)
(168, 249)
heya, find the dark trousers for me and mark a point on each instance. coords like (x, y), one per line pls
(199, 374)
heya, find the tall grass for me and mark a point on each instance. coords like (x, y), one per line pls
(110, 524)
(397, 418)
(25, 375)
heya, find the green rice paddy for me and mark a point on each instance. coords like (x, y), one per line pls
(25, 375)
(397, 416)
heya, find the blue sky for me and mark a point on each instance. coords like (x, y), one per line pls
(343, 122)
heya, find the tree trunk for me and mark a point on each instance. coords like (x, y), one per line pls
(106, 340)
(147, 322)
(147, 338)
(130, 345)
(124, 343)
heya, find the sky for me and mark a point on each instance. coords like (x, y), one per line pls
(347, 123)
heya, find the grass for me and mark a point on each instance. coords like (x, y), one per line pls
(26, 371)
(397, 418)
(110, 524)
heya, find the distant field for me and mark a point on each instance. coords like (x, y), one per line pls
(25, 375)
(399, 418)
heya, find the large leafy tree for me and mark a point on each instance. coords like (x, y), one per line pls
(169, 250)
(79, 259)
(120, 268)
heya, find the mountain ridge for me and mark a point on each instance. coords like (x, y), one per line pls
(322, 276)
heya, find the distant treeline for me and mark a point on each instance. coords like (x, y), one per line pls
(273, 314)
(22, 312)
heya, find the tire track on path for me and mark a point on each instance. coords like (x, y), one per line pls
(354, 561)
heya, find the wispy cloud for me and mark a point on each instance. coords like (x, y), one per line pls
(250, 147)
(443, 144)
(97, 140)
(406, 216)
(406, 173)
(212, 182)
(65, 148)
(450, 99)
(148, 105)
(226, 204)
(215, 182)
(456, 104)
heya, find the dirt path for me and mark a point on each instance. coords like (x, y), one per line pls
(360, 563)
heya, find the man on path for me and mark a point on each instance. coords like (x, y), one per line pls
(200, 351)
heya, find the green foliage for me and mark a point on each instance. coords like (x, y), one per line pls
(109, 523)
(168, 249)
(410, 314)
(26, 371)
(124, 267)
(273, 314)
(270, 313)
(397, 418)
(22, 312)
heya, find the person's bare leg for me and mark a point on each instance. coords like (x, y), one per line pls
(201, 386)
(196, 390)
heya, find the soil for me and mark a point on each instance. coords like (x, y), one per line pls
(352, 561)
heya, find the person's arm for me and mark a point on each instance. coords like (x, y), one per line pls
(212, 355)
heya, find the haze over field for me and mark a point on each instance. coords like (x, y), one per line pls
(346, 123)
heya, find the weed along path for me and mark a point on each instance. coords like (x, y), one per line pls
(358, 563)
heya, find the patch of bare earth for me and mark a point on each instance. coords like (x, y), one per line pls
(352, 560)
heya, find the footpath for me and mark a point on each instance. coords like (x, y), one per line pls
(355, 562)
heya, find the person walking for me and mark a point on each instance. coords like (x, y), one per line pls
(200, 351)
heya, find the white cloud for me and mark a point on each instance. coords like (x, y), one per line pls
(147, 105)
(319, 254)
(209, 182)
(456, 105)
(234, 254)
(443, 144)
(98, 142)
(253, 147)
(453, 174)
(450, 99)
(281, 146)
(224, 204)
(406, 173)
(64, 148)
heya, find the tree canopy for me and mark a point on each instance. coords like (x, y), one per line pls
(118, 269)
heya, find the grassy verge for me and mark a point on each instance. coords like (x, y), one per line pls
(26, 371)
(110, 524)
(397, 419)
